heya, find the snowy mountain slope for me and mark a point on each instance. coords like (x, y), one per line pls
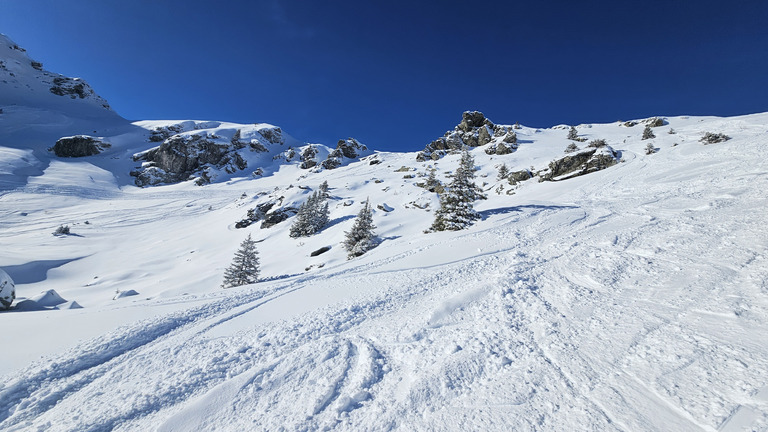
(630, 298)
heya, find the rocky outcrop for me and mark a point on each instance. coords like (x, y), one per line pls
(78, 146)
(519, 176)
(309, 157)
(584, 162)
(474, 130)
(182, 157)
(349, 148)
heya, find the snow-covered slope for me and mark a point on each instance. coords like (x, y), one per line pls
(630, 298)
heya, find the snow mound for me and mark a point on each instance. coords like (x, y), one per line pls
(48, 298)
(122, 294)
(69, 305)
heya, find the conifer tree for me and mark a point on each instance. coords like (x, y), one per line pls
(503, 172)
(324, 189)
(456, 210)
(648, 133)
(244, 269)
(573, 134)
(313, 215)
(361, 238)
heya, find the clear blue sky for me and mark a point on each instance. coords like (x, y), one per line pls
(397, 74)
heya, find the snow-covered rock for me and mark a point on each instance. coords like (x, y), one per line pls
(7, 290)
(79, 146)
(48, 298)
(124, 294)
(474, 130)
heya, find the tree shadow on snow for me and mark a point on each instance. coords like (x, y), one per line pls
(485, 214)
(339, 220)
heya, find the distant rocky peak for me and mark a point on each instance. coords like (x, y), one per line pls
(21, 78)
(471, 120)
(474, 130)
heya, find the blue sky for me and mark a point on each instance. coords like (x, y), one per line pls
(398, 74)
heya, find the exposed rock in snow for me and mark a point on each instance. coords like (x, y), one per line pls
(22, 77)
(345, 150)
(79, 146)
(583, 162)
(183, 156)
(7, 290)
(474, 130)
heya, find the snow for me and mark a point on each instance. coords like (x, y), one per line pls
(631, 298)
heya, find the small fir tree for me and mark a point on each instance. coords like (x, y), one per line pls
(323, 188)
(572, 147)
(503, 172)
(648, 133)
(456, 210)
(361, 238)
(650, 149)
(573, 134)
(244, 269)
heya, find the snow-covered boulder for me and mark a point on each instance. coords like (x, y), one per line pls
(123, 294)
(7, 290)
(48, 298)
(583, 162)
(79, 146)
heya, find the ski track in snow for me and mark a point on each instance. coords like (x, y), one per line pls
(637, 303)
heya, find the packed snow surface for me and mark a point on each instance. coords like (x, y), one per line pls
(632, 298)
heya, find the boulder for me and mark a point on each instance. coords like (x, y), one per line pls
(278, 216)
(320, 251)
(7, 290)
(78, 146)
(584, 162)
(519, 176)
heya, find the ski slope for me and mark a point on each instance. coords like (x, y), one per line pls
(633, 298)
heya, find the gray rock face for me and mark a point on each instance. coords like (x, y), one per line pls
(474, 130)
(78, 146)
(349, 148)
(308, 157)
(277, 216)
(73, 87)
(519, 176)
(183, 156)
(584, 162)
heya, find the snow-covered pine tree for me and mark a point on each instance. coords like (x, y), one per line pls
(313, 215)
(573, 134)
(503, 172)
(456, 210)
(244, 269)
(648, 133)
(361, 238)
(324, 189)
